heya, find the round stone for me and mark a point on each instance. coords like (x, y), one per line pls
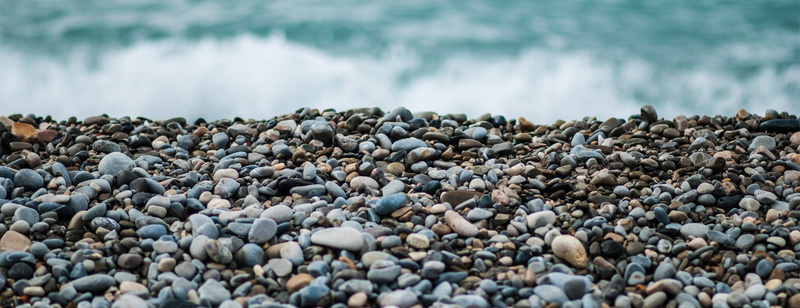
(418, 241)
(570, 249)
(115, 162)
(29, 179)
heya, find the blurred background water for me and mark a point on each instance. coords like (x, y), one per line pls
(256, 59)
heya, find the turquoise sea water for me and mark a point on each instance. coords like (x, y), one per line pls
(539, 59)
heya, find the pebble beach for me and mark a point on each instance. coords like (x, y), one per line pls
(377, 208)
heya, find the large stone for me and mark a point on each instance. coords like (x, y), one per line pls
(694, 229)
(400, 298)
(407, 144)
(93, 283)
(214, 292)
(262, 231)
(115, 162)
(29, 179)
(541, 219)
(570, 249)
(390, 203)
(280, 213)
(339, 238)
(456, 197)
(14, 241)
(460, 224)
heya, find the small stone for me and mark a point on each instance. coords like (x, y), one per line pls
(20, 270)
(755, 292)
(765, 197)
(152, 231)
(166, 265)
(663, 271)
(749, 204)
(407, 144)
(470, 300)
(764, 268)
(648, 113)
(129, 260)
(363, 180)
(218, 252)
(357, 300)
(131, 287)
(383, 272)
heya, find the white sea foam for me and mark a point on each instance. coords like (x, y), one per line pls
(255, 77)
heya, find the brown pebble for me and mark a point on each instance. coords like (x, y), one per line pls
(298, 282)
(525, 125)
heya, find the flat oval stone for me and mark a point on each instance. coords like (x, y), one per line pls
(339, 238)
(694, 229)
(93, 283)
(390, 203)
(407, 144)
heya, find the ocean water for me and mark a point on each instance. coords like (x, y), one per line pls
(543, 60)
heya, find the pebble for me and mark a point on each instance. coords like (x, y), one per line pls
(93, 283)
(28, 179)
(214, 292)
(262, 231)
(14, 241)
(459, 224)
(570, 249)
(115, 162)
(339, 238)
(541, 219)
(388, 204)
